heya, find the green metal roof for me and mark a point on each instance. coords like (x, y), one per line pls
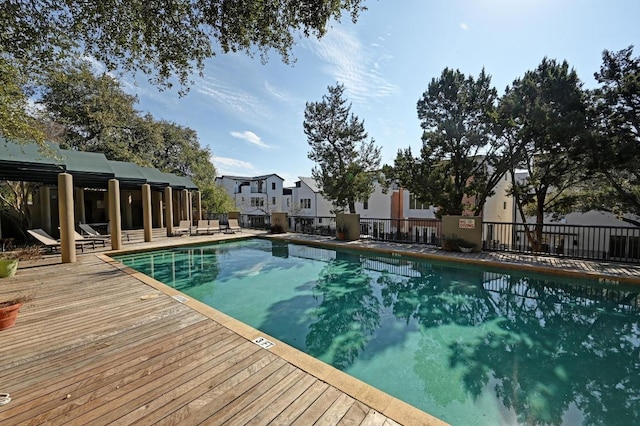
(33, 163)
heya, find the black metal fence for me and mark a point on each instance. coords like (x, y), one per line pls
(616, 243)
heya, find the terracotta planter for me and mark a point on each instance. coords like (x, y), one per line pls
(340, 235)
(8, 316)
(8, 268)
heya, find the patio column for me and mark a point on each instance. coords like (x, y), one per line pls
(198, 205)
(156, 201)
(79, 205)
(168, 209)
(115, 219)
(185, 205)
(190, 206)
(67, 227)
(146, 211)
(45, 209)
(128, 216)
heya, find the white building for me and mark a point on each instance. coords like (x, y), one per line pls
(590, 234)
(254, 197)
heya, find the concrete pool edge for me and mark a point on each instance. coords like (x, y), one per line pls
(378, 400)
(461, 258)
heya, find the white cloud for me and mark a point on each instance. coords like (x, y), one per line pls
(250, 137)
(277, 94)
(464, 26)
(355, 66)
(232, 166)
(233, 98)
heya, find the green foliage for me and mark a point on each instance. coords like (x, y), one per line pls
(165, 39)
(545, 122)
(215, 199)
(614, 153)
(347, 164)
(15, 122)
(459, 163)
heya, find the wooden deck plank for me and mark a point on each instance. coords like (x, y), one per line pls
(126, 397)
(251, 395)
(282, 402)
(308, 397)
(90, 384)
(373, 418)
(219, 397)
(337, 410)
(355, 415)
(158, 408)
(263, 396)
(318, 407)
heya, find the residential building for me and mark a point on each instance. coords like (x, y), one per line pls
(255, 197)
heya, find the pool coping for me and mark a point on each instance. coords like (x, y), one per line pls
(380, 401)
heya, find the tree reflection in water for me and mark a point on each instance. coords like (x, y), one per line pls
(348, 313)
(556, 348)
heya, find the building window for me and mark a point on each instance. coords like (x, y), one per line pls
(365, 205)
(273, 186)
(257, 202)
(273, 200)
(414, 204)
(305, 203)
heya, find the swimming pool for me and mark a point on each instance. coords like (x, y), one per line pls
(470, 346)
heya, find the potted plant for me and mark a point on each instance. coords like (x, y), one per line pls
(455, 243)
(9, 310)
(9, 260)
(341, 231)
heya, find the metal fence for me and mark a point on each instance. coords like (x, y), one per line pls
(616, 243)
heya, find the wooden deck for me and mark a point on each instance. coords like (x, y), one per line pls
(99, 346)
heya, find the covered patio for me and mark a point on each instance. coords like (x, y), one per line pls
(85, 187)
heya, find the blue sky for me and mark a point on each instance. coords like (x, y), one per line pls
(251, 114)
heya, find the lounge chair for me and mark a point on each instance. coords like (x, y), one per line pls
(90, 232)
(233, 226)
(214, 225)
(203, 227)
(183, 228)
(52, 244)
(88, 240)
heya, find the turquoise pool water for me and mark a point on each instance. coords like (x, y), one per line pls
(470, 346)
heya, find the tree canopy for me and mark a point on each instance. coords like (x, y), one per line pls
(164, 39)
(459, 163)
(613, 157)
(347, 165)
(544, 114)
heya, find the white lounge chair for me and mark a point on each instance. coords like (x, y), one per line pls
(89, 240)
(89, 231)
(52, 244)
(183, 228)
(233, 226)
(203, 227)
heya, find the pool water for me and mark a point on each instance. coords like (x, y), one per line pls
(467, 345)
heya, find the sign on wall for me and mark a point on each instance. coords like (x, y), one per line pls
(466, 224)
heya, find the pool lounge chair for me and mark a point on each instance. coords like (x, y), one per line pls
(214, 225)
(203, 227)
(52, 244)
(183, 228)
(88, 240)
(90, 232)
(233, 226)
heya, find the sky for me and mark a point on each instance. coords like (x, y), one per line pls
(251, 114)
